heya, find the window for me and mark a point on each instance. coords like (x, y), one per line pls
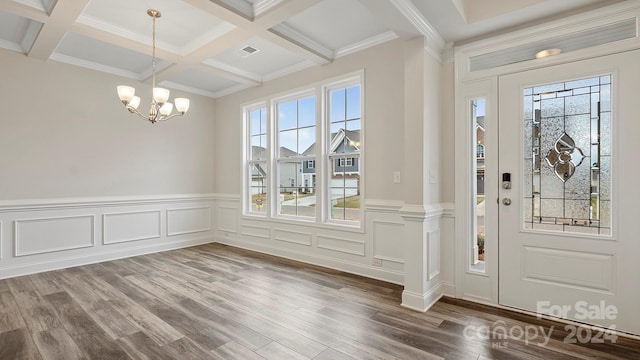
(344, 151)
(480, 151)
(257, 159)
(345, 162)
(296, 129)
(287, 153)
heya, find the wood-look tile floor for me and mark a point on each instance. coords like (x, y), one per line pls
(220, 302)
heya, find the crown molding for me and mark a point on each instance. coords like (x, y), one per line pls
(434, 43)
(232, 69)
(10, 45)
(292, 34)
(366, 43)
(193, 90)
(95, 66)
(232, 89)
(288, 70)
(126, 34)
(262, 6)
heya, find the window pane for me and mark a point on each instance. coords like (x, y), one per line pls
(353, 102)
(307, 112)
(306, 138)
(257, 122)
(567, 176)
(478, 145)
(353, 125)
(337, 103)
(296, 190)
(288, 141)
(258, 187)
(287, 115)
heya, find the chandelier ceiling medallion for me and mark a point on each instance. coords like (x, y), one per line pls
(161, 108)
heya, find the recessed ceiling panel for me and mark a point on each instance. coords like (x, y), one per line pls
(98, 55)
(336, 24)
(181, 29)
(44, 5)
(262, 59)
(17, 33)
(199, 82)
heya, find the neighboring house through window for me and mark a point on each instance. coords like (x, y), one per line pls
(296, 127)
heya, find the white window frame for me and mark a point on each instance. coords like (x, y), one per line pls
(329, 158)
(248, 162)
(278, 161)
(320, 160)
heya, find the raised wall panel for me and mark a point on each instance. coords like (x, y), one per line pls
(256, 231)
(44, 235)
(130, 226)
(434, 253)
(590, 271)
(295, 237)
(188, 220)
(228, 219)
(349, 246)
(387, 241)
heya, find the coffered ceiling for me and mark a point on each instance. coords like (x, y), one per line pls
(217, 47)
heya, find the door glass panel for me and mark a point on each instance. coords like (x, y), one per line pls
(478, 150)
(567, 156)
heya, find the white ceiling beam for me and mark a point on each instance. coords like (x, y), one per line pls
(403, 18)
(282, 11)
(62, 17)
(391, 17)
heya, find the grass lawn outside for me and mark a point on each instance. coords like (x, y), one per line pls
(350, 202)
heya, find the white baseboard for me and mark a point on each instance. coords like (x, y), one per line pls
(422, 302)
(67, 262)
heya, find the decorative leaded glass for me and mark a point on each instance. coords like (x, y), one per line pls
(567, 158)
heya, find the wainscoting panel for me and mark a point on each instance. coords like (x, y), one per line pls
(131, 226)
(434, 253)
(349, 246)
(387, 241)
(228, 219)
(256, 231)
(376, 249)
(295, 237)
(44, 235)
(48, 234)
(188, 220)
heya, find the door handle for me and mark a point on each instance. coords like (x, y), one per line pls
(506, 201)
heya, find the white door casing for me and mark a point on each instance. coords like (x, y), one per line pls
(588, 278)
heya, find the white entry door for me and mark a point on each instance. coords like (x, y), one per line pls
(569, 226)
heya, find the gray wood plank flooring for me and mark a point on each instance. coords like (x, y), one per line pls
(219, 302)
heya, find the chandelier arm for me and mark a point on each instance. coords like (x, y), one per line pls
(165, 118)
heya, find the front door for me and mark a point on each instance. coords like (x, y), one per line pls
(569, 233)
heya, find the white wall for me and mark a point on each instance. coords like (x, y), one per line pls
(83, 180)
(65, 134)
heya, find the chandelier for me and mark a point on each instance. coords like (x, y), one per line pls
(161, 108)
